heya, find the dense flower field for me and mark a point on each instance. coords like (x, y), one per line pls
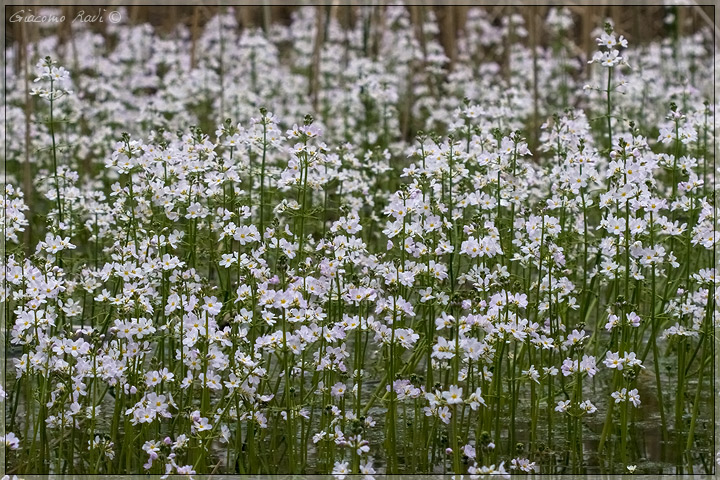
(250, 255)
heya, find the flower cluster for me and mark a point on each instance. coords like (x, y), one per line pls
(359, 257)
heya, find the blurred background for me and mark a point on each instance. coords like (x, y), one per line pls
(639, 23)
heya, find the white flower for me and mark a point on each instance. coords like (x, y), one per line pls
(588, 406)
(620, 395)
(454, 395)
(444, 414)
(340, 470)
(11, 441)
(613, 360)
(562, 406)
